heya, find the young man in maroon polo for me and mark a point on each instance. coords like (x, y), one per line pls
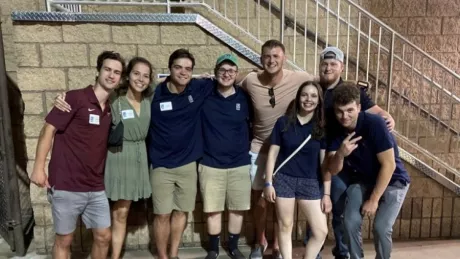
(76, 182)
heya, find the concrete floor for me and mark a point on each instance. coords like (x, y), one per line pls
(440, 249)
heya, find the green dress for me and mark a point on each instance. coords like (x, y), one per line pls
(126, 169)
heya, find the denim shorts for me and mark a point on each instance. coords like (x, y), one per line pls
(295, 187)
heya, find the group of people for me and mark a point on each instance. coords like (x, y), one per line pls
(287, 135)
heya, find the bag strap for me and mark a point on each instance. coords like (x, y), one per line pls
(293, 153)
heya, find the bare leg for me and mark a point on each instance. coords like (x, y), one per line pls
(101, 243)
(235, 221)
(120, 212)
(260, 217)
(162, 230)
(276, 229)
(178, 222)
(285, 210)
(318, 224)
(214, 221)
(61, 248)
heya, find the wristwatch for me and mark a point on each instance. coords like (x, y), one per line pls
(268, 184)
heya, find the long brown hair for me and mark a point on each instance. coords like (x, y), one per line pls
(318, 116)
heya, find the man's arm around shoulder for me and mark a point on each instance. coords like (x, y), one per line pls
(386, 116)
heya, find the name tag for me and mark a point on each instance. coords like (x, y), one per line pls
(94, 119)
(127, 114)
(166, 106)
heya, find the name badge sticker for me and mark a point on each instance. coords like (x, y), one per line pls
(127, 114)
(166, 106)
(94, 119)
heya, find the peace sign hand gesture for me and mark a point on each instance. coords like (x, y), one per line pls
(349, 144)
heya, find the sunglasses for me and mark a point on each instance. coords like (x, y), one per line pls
(271, 93)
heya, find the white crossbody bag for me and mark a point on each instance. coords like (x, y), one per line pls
(289, 158)
(293, 153)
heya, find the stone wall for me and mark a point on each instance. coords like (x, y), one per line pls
(55, 57)
(433, 25)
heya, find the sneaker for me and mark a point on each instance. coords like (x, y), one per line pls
(258, 252)
(236, 254)
(212, 255)
(277, 254)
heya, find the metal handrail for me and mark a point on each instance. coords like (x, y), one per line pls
(362, 34)
(406, 41)
(290, 21)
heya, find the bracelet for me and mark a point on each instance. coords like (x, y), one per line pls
(327, 194)
(267, 184)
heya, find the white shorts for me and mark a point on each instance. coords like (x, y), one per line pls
(257, 171)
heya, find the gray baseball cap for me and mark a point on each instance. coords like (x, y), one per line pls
(332, 53)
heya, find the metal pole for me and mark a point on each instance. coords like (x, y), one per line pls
(14, 210)
(390, 71)
(282, 22)
(48, 5)
(168, 6)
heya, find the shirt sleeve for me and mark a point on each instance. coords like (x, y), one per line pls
(59, 119)
(379, 135)
(275, 138)
(333, 144)
(323, 143)
(206, 85)
(244, 83)
(366, 101)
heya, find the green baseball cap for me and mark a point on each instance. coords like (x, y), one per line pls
(227, 57)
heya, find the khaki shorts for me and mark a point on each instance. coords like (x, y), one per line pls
(174, 189)
(225, 185)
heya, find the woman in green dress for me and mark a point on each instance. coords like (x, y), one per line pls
(126, 170)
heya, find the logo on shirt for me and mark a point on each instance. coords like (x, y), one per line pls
(190, 99)
(238, 106)
(90, 110)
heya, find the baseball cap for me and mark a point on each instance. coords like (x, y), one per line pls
(227, 57)
(332, 53)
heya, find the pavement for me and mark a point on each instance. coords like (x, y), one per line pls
(434, 249)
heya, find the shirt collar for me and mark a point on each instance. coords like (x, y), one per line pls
(330, 89)
(165, 90)
(89, 92)
(216, 92)
(359, 123)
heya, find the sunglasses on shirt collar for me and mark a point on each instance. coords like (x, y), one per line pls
(271, 93)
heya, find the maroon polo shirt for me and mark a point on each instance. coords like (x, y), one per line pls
(80, 144)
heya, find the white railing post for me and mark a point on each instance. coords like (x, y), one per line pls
(390, 71)
(282, 22)
(168, 6)
(48, 5)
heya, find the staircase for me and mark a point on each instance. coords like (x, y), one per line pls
(420, 93)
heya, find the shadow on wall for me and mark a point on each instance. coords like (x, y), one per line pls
(16, 106)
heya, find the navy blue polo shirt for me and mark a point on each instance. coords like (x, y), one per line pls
(226, 130)
(175, 136)
(304, 164)
(362, 163)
